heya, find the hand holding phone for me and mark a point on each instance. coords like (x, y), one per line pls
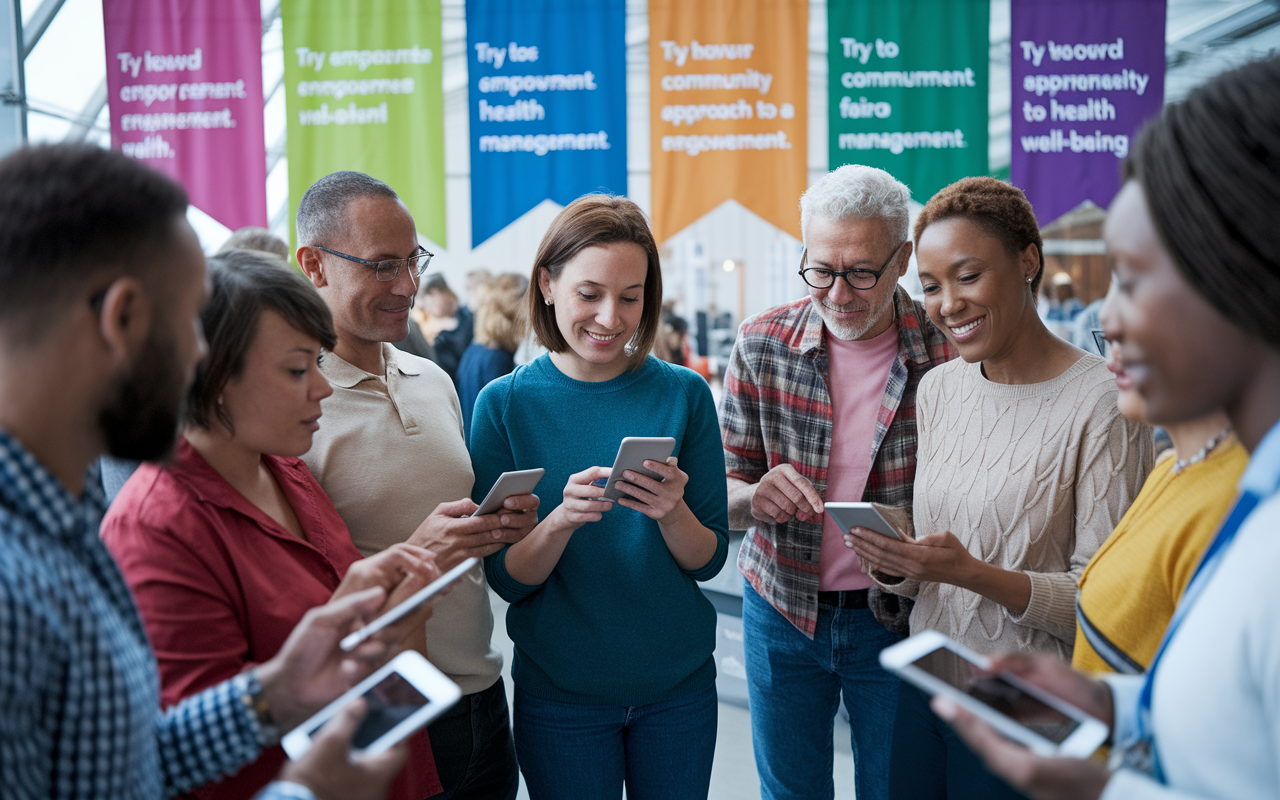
(632, 454)
(401, 697)
(872, 516)
(509, 484)
(352, 641)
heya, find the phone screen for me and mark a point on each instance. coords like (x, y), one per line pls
(390, 702)
(999, 694)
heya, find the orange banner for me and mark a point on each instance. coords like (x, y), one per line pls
(728, 89)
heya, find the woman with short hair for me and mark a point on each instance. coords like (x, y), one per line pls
(1024, 467)
(613, 669)
(228, 546)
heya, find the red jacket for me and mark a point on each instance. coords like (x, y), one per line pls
(220, 585)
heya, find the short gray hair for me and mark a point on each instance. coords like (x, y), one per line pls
(855, 190)
(322, 211)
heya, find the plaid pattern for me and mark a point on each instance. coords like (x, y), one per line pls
(79, 692)
(776, 409)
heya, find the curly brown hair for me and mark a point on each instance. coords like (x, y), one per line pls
(1000, 209)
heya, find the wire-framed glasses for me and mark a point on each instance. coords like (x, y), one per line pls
(823, 278)
(388, 270)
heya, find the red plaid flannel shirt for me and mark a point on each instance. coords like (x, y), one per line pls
(776, 409)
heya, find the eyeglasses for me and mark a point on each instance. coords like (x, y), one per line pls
(388, 270)
(822, 278)
(1101, 340)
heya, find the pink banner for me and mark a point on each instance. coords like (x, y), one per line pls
(184, 85)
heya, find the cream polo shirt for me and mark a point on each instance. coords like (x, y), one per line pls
(389, 450)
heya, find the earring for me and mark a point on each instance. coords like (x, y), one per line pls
(1029, 280)
(547, 300)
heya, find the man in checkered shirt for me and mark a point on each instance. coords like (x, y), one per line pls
(819, 404)
(101, 282)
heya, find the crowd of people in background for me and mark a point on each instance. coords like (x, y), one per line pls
(295, 448)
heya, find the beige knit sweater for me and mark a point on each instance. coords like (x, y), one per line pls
(1031, 478)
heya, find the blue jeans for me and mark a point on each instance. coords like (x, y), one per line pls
(794, 685)
(662, 751)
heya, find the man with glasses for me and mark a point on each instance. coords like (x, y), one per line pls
(391, 455)
(819, 404)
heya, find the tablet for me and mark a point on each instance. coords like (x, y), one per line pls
(508, 484)
(401, 697)
(1027, 714)
(863, 515)
(408, 606)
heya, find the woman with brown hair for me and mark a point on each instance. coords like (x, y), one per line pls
(615, 681)
(1025, 467)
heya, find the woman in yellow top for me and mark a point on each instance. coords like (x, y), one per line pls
(1130, 587)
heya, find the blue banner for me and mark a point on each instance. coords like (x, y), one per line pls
(548, 105)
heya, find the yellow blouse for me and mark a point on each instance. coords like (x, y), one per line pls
(1132, 584)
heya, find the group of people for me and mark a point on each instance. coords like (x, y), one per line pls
(307, 474)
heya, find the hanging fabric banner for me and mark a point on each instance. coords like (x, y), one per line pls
(184, 89)
(548, 97)
(1086, 75)
(728, 83)
(908, 88)
(363, 92)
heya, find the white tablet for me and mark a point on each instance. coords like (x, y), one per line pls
(401, 697)
(1024, 713)
(863, 515)
(410, 604)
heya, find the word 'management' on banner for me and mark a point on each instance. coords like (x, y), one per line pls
(908, 88)
(363, 88)
(548, 103)
(728, 83)
(184, 88)
(1086, 75)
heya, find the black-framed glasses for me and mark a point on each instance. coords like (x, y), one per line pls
(388, 270)
(1101, 340)
(823, 278)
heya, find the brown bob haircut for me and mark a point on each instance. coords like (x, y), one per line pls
(999, 209)
(245, 284)
(596, 220)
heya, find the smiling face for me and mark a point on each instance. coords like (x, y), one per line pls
(1176, 350)
(974, 290)
(599, 301)
(274, 403)
(855, 243)
(366, 310)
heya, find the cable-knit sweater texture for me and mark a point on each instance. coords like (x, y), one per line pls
(1031, 478)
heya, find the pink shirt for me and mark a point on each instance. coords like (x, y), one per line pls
(858, 372)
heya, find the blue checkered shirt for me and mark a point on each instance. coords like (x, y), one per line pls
(79, 692)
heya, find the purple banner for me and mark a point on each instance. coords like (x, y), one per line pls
(1086, 75)
(184, 85)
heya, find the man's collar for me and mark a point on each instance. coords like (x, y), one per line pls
(911, 341)
(344, 375)
(28, 488)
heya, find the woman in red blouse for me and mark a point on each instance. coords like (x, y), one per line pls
(229, 545)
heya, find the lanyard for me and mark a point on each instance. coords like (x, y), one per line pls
(1144, 745)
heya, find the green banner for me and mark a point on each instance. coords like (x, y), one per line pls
(363, 92)
(908, 84)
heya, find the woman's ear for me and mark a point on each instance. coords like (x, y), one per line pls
(544, 285)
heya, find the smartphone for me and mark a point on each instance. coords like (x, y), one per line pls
(863, 515)
(408, 606)
(508, 484)
(1027, 714)
(632, 454)
(401, 697)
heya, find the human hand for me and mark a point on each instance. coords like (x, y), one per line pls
(583, 500)
(653, 498)
(454, 537)
(331, 773)
(938, 557)
(783, 494)
(401, 570)
(310, 670)
(519, 516)
(1041, 777)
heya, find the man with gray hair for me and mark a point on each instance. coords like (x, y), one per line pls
(819, 404)
(390, 454)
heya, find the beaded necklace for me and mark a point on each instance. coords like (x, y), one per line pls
(1183, 463)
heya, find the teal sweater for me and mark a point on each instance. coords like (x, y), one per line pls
(617, 622)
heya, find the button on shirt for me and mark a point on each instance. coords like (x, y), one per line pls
(79, 693)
